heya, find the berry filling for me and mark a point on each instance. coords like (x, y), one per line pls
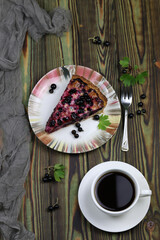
(77, 102)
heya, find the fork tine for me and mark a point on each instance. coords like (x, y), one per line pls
(127, 92)
(122, 92)
(130, 92)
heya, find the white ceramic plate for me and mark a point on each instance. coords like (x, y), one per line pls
(41, 104)
(102, 220)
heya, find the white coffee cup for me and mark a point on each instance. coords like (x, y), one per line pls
(138, 192)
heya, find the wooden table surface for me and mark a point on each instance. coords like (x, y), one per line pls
(133, 28)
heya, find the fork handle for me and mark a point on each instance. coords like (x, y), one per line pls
(125, 145)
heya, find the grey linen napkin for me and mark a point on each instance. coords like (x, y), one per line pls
(17, 17)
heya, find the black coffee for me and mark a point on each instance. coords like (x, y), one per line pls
(115, 191)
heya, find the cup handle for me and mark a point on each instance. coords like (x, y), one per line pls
(145, 193)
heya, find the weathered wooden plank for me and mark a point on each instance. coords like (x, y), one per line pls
(136, 31)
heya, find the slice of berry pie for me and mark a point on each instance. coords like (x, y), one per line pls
(80, 100)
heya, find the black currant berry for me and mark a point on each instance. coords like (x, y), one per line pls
(45, 179)
(85, 95)
(60, 109)
(73, 90)
(106, 43)
(56, 206)
(73, 132)
(80, 129)
(78, 124)
(97, 38)
(96, 117)
(76, 135)
(140, 104)
(138, 112)
(51, 90)
(143, 96)
(65, 119)
(130, 115)
(98, 42)
(50, 179)
(59, 122)
(46, 175)
(80, 110)
(53, 86)
(52, 123)
(124, 71)
(143, 110)
(50, 208)
(73, 115)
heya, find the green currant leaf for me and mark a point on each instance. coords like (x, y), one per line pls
(103, 117)
(144, 74)
(60, 173)
(124, 62)
(56, 177)
(103, 122)
(135, 67)
(140, 78)
(127, 79)
(101, 126)
(58, 166)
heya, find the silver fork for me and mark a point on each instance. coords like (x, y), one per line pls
(126, 101)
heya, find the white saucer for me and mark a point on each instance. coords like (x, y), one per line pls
(102, 220)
